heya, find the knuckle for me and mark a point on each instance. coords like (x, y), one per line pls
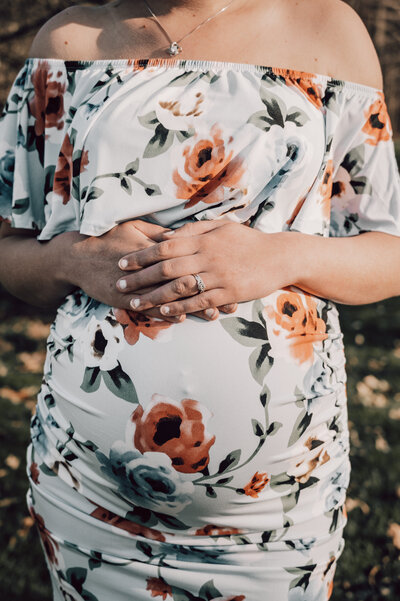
(204, 303)
(164, 249)
(179, 287)
(166, 269)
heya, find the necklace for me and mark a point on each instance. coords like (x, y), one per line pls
(174, 47)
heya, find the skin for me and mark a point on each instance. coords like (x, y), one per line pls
(156, 266)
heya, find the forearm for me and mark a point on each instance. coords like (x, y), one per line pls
(35, 271)
(355, 270)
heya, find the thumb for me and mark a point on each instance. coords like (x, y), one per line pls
(151, 230)
(194, 228)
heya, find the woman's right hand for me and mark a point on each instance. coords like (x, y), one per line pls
(92, 264)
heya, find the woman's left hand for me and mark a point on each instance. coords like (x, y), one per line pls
(236, 263)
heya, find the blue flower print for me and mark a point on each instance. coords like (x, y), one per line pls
(147, 480)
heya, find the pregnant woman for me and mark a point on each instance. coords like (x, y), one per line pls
(156, 175)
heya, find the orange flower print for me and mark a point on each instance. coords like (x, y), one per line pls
(49, 544)
(34, 472)
(47, 104)
(115, 520)
(330, 590)
(325, 190)
(378, 125)
(158, 587)
(208, 169)
(211, 530)
(135, 323)
(256, 484)
(305, 468)
(300, 319)
(306, 85)
(176, 429)
(66, 169)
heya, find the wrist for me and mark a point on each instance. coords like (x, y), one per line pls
(66, 254)
(293, 252)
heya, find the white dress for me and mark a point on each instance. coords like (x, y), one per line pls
(201, 460)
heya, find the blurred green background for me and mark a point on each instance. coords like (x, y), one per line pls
(369, 569)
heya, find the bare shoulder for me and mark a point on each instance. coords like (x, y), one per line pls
(70, 33)
(350, 50)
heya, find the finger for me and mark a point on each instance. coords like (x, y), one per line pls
(151, 230)
(183, 287)
(194, 228)
(228, 308)
(155, 253)
(155, 313)
(199, 302)
(156, 275)
(210, 314)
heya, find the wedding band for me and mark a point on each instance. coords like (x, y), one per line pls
(200, 284)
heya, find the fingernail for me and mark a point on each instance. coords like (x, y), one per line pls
(179, 318)
(165, 310)
(211, 312)
(135, 303)
(169, 233)
(122, 284)
(123, 263)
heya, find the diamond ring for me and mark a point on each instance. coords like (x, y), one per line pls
(200, 284)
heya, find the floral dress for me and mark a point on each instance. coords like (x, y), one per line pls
(195, 461)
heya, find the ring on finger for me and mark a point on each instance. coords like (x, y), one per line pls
(201, 287)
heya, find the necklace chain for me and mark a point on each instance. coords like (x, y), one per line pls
(174, 47)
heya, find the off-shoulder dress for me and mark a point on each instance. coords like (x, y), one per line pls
(202, 460)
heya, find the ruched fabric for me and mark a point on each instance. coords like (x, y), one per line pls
(195, 461)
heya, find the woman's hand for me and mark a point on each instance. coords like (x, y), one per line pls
(236, 263)
(92, 264)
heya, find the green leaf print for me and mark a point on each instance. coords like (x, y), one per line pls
(248, 333)
(150, 120)
(120, 384)
(91, 379)
(260, 362)
(21, 205)
(253, 334)
(126, 185)
(230, 461)
(303, 575)
(276, 113)
(94, 193)
(159, 143)
(210, 492)
(290, 501)
(179, 594)
(171, 521)
(145, 548)
(257, 427)
(208, 591)
(132, 167)
(297, 117)
(300, 426)
(282, 481)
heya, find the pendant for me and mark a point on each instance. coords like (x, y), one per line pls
(174, 49)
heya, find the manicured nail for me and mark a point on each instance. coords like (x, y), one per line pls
(165, 310)
(122, 284)
(211, 312)
(135, 303)
(123, 263)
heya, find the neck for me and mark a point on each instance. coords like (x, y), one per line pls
(161, 7)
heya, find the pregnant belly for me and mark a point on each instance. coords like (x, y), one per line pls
(200, 419)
